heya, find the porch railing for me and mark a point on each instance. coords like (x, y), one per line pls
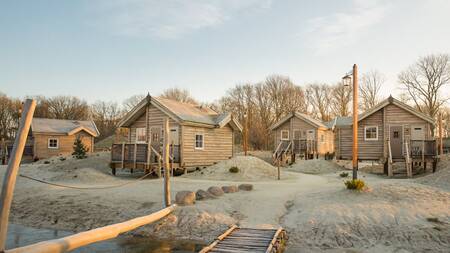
(139, 151)
(423, 148)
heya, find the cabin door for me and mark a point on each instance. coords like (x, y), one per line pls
(396, 139)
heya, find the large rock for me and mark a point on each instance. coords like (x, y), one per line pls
(185, 198)
(246, 187)
(215, 191)
(203, 195)
(230, 189)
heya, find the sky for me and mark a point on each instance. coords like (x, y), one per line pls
(112, 49)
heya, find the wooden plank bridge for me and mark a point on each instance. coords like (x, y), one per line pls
(237, 239)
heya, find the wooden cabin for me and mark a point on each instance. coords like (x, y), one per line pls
(390, 132)
(199, 136)
(54, 137)
(301, 135)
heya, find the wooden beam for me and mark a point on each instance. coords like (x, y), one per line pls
(167, 162)
(123, 154)
(9, 181)
(75, 241)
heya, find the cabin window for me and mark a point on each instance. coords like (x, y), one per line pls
(199, 141)
(284, 135)
(140, 135)
(371, 133)
(53, 143)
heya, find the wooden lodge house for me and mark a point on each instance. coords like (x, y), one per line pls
(301, 135)
(199, 136)
(54, 137)
(390, 132)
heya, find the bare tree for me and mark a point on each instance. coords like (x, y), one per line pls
(369, 89)
(106, 115)
(319, 96)
(129, 103)
(425, 81)
(9, 116)
(180, 95)
(67, 107)
(340, 100)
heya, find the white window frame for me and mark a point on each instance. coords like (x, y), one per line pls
(57, 143)
(365, 135)
(203, 141)
(281, 135)
(137, 135)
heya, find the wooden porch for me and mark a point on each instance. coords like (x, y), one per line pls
(415, 153)
(142, 156)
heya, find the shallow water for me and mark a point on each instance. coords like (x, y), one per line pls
(20, 236)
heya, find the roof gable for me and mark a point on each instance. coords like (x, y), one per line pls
(308, 119)
(347, 121)
(392, 101)
(183, 113)
(59, 126)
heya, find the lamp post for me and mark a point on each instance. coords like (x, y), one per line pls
(346, 80)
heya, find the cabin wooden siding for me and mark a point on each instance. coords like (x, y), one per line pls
(218, 142)
(218, 145)
(325, 145)
(155, 120)
(390, 115)
(65, 144)
(297, 124)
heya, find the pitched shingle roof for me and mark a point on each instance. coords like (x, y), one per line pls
(315, 122)
(59, 126)
(184, 113)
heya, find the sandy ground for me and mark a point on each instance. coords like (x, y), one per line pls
(392, 215)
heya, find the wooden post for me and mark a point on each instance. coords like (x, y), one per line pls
(279, 176)
(355, 122)
(166, 163)
(72, 242)
(12, 170)
(123, 154)
(441, 145)
(390, 171)
(134, 156)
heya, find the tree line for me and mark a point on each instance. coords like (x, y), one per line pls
(424, 85)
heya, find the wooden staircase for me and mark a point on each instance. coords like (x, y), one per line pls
(283, 153)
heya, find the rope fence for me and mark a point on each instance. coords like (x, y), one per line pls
(86, 188)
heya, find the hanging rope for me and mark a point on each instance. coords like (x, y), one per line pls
(86, 188)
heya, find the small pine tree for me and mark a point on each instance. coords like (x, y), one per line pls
(79, 150)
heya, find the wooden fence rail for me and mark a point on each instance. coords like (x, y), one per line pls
(75, 241)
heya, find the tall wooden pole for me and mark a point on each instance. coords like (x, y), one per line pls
(355, 122)
(441, 145)
(245, 141)
(12, 170)
(166, 163)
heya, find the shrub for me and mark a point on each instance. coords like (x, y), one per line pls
(79, 150)
(46, 162)
(234, 169)
(355, 184)
(344, 174)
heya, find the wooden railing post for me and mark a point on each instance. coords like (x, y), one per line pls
(134, 155)
(9, 181)
(166, 163)
(123, 155)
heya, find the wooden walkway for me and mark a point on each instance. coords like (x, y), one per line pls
(237, 239)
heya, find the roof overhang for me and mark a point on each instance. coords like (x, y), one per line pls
(300, 116)
(81, 128)
(140, 108)
(398, 103)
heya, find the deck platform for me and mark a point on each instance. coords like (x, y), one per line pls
(254, 240)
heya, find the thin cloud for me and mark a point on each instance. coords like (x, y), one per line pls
(344, 28)
(170, 19)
